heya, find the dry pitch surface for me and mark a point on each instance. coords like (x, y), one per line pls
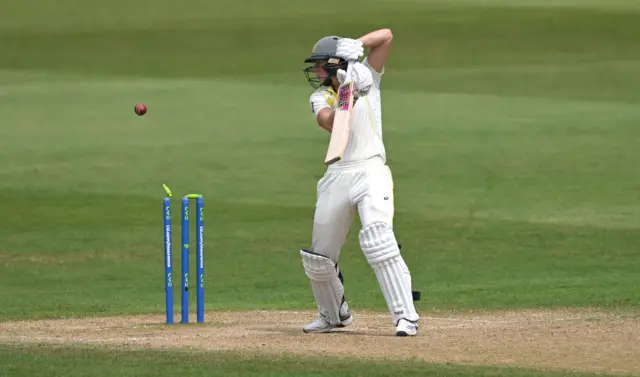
(584, 340)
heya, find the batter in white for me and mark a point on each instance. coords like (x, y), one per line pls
(361, 182)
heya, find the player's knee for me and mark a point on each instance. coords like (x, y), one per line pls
(378, 242)
(318, 267)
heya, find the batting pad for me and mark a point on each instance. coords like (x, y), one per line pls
(327, 287)
(379, 245)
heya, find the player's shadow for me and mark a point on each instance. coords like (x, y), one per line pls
(296, 331)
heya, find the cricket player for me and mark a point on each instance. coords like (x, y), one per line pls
(360, 182)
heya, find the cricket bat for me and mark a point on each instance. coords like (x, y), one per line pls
(341, 120)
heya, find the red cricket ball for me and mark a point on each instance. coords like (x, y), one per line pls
(140, 109)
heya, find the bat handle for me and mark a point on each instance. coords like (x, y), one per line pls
(349, 70)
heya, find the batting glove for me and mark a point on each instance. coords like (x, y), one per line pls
(349, 49)
(360, 76)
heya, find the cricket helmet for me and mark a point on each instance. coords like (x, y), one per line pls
(324, 50)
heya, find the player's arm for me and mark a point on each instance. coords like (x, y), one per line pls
(325, 118)
(379, 43)
(322, 109)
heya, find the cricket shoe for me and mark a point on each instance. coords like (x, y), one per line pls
(406, 328)
(321, 325)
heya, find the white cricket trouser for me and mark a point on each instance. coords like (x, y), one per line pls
(363, 186)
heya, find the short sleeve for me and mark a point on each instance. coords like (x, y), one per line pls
(377, 76)
(319, 100)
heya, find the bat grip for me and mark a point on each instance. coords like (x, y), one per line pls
(349, 70)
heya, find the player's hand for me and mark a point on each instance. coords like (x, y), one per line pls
(361, 77)
(349, 49)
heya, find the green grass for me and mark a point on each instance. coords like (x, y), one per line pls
(491, 213)
(511, 130)
(47, 361)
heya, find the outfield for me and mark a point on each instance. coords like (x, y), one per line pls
(512, 133)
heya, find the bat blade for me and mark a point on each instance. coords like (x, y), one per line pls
(341, 121)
